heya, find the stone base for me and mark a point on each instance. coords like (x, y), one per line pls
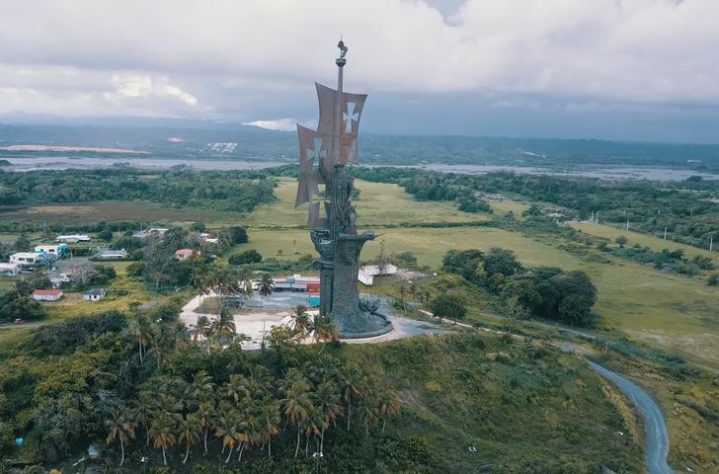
(363, 325)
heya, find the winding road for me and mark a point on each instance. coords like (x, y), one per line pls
(657, 438)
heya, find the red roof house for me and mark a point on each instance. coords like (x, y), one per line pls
(47, 295)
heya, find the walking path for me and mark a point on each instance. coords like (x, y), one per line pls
(258, 323)
(657, 437)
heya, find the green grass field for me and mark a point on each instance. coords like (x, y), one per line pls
(654, 243)
(110, 211)
(673, 312)
(378, 205)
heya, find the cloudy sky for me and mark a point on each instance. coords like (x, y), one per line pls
(620, 69)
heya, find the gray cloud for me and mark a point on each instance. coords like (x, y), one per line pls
(246, 60)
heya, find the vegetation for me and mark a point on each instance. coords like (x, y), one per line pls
(140, 385)
(685, 210)
(546, 292)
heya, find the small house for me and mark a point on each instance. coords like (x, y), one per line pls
(53, 251)
(209, 238)
(367, 273)
(184, 254)
(96, 294)
(58, 279)
(27, 259)
(46, 295)
(9, 269)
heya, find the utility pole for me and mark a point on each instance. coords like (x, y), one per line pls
(665, 233)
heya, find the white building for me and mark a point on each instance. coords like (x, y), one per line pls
(209, 238)
(53, 251)
(367, 273)
(9, 269)
(73, 239)
(27, 259)
(95, 294)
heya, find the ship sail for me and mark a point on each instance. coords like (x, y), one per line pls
(342, 130)
(334, 143)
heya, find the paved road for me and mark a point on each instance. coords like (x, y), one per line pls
(656, 430)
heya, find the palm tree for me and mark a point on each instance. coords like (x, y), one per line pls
(247, 426)
(206, 414)
(228, 283)
(352, 384)
(237, 388)
(122, 427)
(328, 405)
(227, 428)
(143, 410)
(202, 387)
(224, 325)
(163, 340)
(201, 329)
(162, 431)
(247, 289)
(140, 328)
(201, 277)
(368, 410)
(189, 433)
(325, 330)
(303, 322)
(269, 422)
(297, 404)
(267, 285)
(388, 405)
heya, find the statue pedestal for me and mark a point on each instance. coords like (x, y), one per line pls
(347, 312)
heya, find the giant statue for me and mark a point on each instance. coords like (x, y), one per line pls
(325, 154)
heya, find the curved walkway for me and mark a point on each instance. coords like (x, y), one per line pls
(657, 439)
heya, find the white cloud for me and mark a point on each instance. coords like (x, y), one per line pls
(165, 57)
(148, 86)
(285, 124)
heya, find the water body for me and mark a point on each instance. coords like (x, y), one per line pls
(35, 163)
(83, 162)
(609, 172)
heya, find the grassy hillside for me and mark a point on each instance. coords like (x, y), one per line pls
(525, 406)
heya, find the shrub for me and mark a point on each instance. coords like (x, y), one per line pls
(248, 256)
(448, 306)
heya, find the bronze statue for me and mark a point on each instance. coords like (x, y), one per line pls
(324, 156)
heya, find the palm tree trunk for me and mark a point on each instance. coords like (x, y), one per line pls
(242, 447)
(269, 448)
(139, 345)
(122, 449)
(322, 441)
(147, 435)
(164, 458)
(187, 454)
(307, 445)
(297, 449)
(384, 422)
(349, 413)
(205, 441)
(230, 454)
